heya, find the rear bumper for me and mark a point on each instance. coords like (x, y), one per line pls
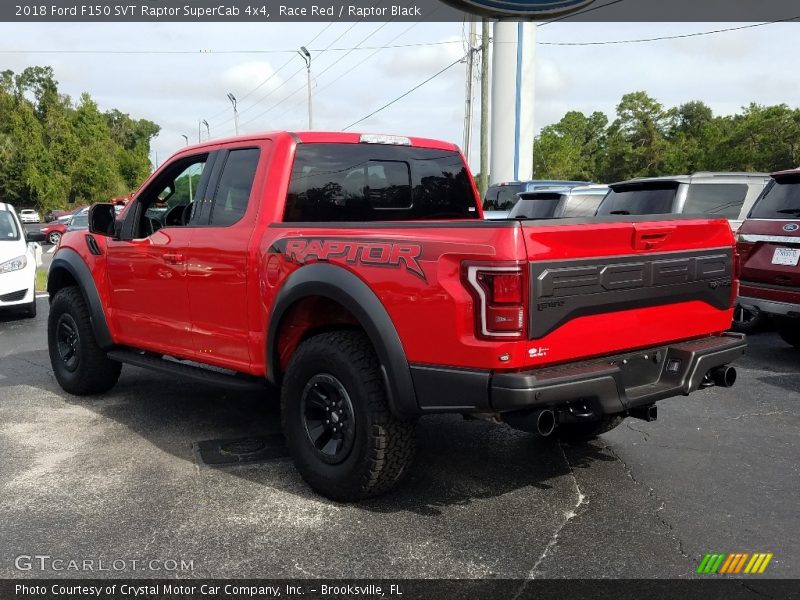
(612, 385)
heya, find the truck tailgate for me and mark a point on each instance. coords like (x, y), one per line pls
(620, 283)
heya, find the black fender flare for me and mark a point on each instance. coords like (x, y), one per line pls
(70, 261)
(345, 288)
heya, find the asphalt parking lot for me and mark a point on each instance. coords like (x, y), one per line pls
(116, 477)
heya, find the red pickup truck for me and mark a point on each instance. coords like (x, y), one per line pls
(356, 273)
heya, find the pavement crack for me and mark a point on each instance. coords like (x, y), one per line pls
(645, 435)
(581, 500)
(654, 496)
(768, 414)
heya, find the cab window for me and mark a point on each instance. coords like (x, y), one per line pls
(235, 186)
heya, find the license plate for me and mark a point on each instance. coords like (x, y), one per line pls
(786, 256)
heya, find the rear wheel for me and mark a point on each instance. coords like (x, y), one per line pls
(81, 367)
(580, 432)
(54, 237)
(342, 436)
(789, 330)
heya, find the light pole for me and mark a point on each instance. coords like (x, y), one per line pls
(306, 56)
(208, 128)
(186, 137)
(232, 98)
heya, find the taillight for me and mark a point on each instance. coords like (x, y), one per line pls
(499, 293)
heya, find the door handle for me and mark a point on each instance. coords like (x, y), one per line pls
(649, 237)
(174, 259)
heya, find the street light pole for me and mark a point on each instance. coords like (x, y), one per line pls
(232, 98)
(306, 56)
(208, 128)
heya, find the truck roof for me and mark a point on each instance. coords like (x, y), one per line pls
(330, 137)
(694, 177)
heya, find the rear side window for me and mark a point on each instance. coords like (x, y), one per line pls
(235, 185)
(639, 200)
(538, 206)
(8, 227)
(779, 200)
(372, 182)
(582, 205)
(723, 199)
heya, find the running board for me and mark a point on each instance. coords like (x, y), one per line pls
(231, 381)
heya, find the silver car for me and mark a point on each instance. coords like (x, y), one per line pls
(579, 201)
(729, 195)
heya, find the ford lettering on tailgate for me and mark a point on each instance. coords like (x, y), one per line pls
(564, 290)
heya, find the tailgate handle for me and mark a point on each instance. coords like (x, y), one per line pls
(649, 238)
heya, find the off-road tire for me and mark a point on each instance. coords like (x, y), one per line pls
(581, 432)
(383, 445)
(789, 330)
(94, 372)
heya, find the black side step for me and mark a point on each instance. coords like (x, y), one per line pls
(231, 381)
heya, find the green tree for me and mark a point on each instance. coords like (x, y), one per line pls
(572, 148)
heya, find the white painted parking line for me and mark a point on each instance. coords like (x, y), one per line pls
(42, 295)
(53, 249)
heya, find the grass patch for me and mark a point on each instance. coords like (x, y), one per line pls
(41, 280)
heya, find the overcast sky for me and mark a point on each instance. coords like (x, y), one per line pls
(726, 70)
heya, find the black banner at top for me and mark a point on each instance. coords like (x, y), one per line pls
(200, 11)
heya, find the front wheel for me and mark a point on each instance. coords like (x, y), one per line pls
(343, 438)
(81, 367)
(54, 237)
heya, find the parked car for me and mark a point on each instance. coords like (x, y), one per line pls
(53, 215)
(769, 251)
(500, 198)
(80, 221)
(729, 195)
(28, 215)
(339, 257)
(19, 259)
(54, 231)
(580, 201)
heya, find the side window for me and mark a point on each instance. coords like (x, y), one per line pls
(582, 205)
(170, 199)
(235, 185)
(723, 199)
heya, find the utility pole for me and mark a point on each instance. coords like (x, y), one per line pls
(470, 76)
(483, 184)
(232, 98)
(306, 56)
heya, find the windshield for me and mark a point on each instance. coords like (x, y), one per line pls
(374, 182)
(639, 200)
(780, 200)
(8, 227)
(502, 197)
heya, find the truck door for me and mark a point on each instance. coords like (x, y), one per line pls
(147, 268)
(220, 259)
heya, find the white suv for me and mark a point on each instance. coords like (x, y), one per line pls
(729, 195)
(18, 262)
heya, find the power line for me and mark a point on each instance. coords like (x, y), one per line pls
(401, 96)
(222, 52)
(668, 37)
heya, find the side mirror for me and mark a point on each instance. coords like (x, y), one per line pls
(34, 236)
(102, 219)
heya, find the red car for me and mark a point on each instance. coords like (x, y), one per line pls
(356, 273)
(54, 231)
(769, 250)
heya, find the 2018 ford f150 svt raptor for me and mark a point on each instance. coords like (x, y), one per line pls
(356, 273)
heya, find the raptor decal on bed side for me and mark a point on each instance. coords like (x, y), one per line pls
(370, 253)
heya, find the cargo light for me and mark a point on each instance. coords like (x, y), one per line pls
(393, 140)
